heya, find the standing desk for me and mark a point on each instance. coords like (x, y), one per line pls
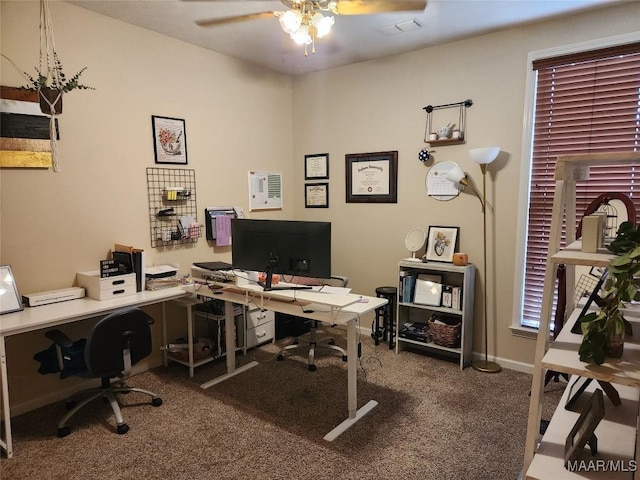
(324, 307)
(48, 316)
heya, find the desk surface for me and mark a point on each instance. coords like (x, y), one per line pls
(324, 307)
(44, 316)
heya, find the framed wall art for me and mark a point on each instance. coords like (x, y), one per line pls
(372, 177)
(316, 195)
(441, 243)
(10, 299)
(169, 140)
(582, 432)
(316, 166)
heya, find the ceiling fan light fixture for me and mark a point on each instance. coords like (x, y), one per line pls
(302, 36)
(322, 24)
(290, 21)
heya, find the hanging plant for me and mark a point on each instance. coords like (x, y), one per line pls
(52, 83)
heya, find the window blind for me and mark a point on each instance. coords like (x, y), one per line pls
(585, 103)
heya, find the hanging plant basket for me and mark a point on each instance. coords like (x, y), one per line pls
(50, 97)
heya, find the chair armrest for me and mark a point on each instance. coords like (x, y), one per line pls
(59, 338)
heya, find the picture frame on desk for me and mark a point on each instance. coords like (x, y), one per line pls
(442, 242)
(10, 299)
(169, 140)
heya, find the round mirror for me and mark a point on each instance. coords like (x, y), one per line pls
(414, 242)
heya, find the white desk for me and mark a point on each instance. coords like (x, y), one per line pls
(56, 314)
(324, 307)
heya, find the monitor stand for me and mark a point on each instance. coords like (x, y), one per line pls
(267, 284)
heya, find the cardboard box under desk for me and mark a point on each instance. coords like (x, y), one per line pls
(108, 287)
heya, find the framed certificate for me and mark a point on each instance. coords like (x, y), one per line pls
(316, 195)
(316, 166)
(372, 177)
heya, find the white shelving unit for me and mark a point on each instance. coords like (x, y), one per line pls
(617, 432)
(407, 312)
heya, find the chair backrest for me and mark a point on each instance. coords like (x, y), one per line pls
(334, 280)
(128, 328)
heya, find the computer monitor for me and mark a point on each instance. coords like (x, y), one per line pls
(286, 247)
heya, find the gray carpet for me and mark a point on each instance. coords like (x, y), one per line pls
(433, 421)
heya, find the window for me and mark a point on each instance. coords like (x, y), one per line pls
(585, 102)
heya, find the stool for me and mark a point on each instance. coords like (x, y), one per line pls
(384, 325)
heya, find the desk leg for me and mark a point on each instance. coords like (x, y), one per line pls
(6, 444)
(230, 341)
(165, 355)
(190, 338)
(352, 386)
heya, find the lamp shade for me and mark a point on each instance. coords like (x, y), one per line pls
(485, 155)
(290, 21)
(455, 175)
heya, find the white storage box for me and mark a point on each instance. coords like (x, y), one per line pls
(260, 327)
(108, 287)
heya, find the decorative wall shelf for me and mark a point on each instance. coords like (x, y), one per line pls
(460, 127)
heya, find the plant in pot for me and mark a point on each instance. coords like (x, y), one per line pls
(604, 331)
(51, 82)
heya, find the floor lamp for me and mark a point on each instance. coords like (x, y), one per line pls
(483, 157)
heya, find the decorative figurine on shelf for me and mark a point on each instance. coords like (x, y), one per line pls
(445, 132)
(424, 155)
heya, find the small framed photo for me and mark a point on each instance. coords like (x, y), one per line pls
(316, 166)
(10, 299)
(442, 242)
(169, 140)
(575, 390)
(582, 431)
(316, 195)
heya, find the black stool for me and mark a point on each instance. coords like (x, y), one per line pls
(384, 325)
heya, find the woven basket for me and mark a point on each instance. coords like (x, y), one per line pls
(444, 335)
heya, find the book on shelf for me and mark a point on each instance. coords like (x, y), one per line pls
(407, 285)
(133, 260)
(456, 298)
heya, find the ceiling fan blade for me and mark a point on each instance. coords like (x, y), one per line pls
(358, 7)
(213, 22)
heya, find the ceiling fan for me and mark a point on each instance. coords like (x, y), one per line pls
(304, 19)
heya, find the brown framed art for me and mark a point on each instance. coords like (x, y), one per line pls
(372, 177)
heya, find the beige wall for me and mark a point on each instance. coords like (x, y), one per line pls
(377, 106)
(241, 118)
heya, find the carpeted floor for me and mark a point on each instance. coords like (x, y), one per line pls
(433, 421)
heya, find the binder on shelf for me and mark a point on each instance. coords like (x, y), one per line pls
(408, 283)
(134, 261)
(213, 224)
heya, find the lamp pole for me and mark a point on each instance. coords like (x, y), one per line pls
(485, 365)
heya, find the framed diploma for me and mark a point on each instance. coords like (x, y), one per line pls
(372, 177)
(316, 166)
(316, 195)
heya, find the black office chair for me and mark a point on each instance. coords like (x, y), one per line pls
(115, 344)
(314, 343)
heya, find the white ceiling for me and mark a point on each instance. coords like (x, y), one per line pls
(353, 38)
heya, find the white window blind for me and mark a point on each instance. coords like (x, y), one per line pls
(585, 103)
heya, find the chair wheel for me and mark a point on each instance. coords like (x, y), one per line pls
(122, 429)
(312, 368)
(63, 432)
(156, 402)
(344, 358)
(279, 358)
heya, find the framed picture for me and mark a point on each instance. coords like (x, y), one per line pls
(316, 195)
(10, 299)
(582, 431)
(169, 140)
(442, 242)
(316, 166)
(575, 390)
(372, 177)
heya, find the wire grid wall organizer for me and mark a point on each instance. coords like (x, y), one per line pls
(172, 206)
